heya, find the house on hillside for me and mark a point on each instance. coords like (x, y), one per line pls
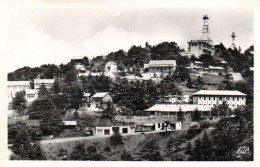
(186, 54)
(216, 69)
(80, 68)
(16, 86)
(110, 130)
(47, 82)
(233, 98)
(167, 111)
(86, 97)
(69, 124)
(99, 101)
(111, 67)
(76, 60)
(162, 66)
(196, 66)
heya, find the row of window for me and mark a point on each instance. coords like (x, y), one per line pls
(162, 69)
(220, 98)
(212, 104)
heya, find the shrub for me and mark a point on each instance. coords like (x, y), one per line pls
(95, 157)
(126, 156)
(192, 133)
(107, 149)
(116, 139)
(91, 149)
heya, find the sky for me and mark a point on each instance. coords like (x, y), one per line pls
(54, 34)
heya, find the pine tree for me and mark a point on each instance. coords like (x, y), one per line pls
(43, 92)
(56, 87)
(206, 145)
(196, 115)
(78, 152)
(180, 115)
(19, 103)
(188, 149)
(189, 83)
(197, 151)
(199, 82)
(151, 152)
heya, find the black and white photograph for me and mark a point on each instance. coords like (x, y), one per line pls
(129, 83)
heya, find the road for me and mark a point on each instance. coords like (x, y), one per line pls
(70, 139)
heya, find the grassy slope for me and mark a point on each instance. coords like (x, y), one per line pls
(133, 144)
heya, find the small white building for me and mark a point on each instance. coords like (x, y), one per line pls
(86, 97)
(47, 82)
(69, 124)
(99, 101)
(101, 131)
(233, 98)
(16, 86)
(80, 68)
(111, 67)
(195, 67)
(186, 54)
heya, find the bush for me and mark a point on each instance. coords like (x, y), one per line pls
(92, 149)
(126, 156)
(192, 133)
(107, 149)
(116, 139)
(95, 157)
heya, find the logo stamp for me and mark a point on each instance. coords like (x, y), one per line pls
(243, 150)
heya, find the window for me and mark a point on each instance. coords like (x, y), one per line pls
(228, 98)
(30, 96)
(107, 132)
(214, 98)
(237, 98)
(233, 98)
(220, 98)
(125, 130)
(115, 129)
(97, 105)
(204, 97)
(209, 98)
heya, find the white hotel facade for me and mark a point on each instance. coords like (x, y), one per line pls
(233, 98)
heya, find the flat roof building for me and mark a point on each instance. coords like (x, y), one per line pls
(162, 65)
(233, 98)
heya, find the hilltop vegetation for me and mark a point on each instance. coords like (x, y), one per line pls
(66, 95)
(220, 144)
